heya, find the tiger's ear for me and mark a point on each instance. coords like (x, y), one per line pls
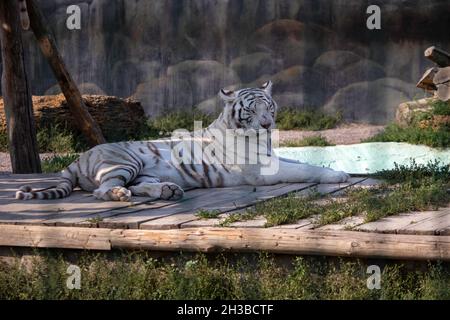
(227, 95)
(267, 87)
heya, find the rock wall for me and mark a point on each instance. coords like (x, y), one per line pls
(177, 54)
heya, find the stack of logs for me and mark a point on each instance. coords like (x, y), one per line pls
(437, 79)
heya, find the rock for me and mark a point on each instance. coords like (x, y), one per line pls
(164, 94)
(370, 101)
(362, 70)
(211, 106)
(118, 118)
(300, 80)
(406, 111)
(205, 77)
(252, 66)
(335, 60)
(291, 100)
(294, 41)
(127, 74)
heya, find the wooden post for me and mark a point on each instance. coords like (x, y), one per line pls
(16, 93)
(77, 107)
(438, 56)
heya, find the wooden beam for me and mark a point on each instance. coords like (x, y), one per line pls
(438, 56)
(16, 93)
(426, 82)
(76, 105)
(282, 241)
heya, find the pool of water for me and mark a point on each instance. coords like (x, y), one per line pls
(365, 157)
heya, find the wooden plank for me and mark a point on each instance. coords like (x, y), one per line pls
(38, 211)
(283, 241)
(415, 222)
(436, 223)
(205, 198)
(347, 223)
(221, 199)
(332, 188)
(304, 224)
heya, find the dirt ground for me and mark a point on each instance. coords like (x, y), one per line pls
(346, 134)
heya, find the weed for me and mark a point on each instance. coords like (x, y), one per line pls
(207, 214)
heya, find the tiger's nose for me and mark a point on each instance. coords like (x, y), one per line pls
(266, 125)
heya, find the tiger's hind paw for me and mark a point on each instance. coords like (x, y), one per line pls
(171, 192)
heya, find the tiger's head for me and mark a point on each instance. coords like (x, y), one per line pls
(251, 108)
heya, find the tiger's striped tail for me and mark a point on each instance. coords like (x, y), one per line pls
(24, 18)
(62, 190)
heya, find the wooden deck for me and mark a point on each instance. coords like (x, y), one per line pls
(82, 222)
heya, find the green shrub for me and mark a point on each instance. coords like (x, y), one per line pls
(413, 135)
(140, 276)
(164, 125)
(3, 142)
(58, 139)
(427, 128)
(291, 119)
(317, 141)
(415, 173)
(57, 163)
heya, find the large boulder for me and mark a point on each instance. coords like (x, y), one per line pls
(407, 111)
(252, 66)
(293, 41)
(184, 85)
(303, 81)
(335, 60)
(128, 74)
(163, 95)
(371, 101)
(205, 77)
(362, 70)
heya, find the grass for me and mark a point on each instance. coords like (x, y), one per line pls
(207, 214)
(414, 172)
(408, 188)
(292, 119)
(137, 275)
(316, 141)
(164, 125)
(427, 128)
(56, 163)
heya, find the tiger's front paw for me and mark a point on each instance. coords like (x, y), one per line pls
(121, 194)
(334, 177)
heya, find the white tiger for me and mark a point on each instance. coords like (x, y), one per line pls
(116, 171)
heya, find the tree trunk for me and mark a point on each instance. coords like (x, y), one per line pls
(16, 93)
(84, 120)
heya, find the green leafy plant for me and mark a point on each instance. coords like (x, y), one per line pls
(431, 128)
(138, 275)
(292, 119)
(56, 163)
(317, 141)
